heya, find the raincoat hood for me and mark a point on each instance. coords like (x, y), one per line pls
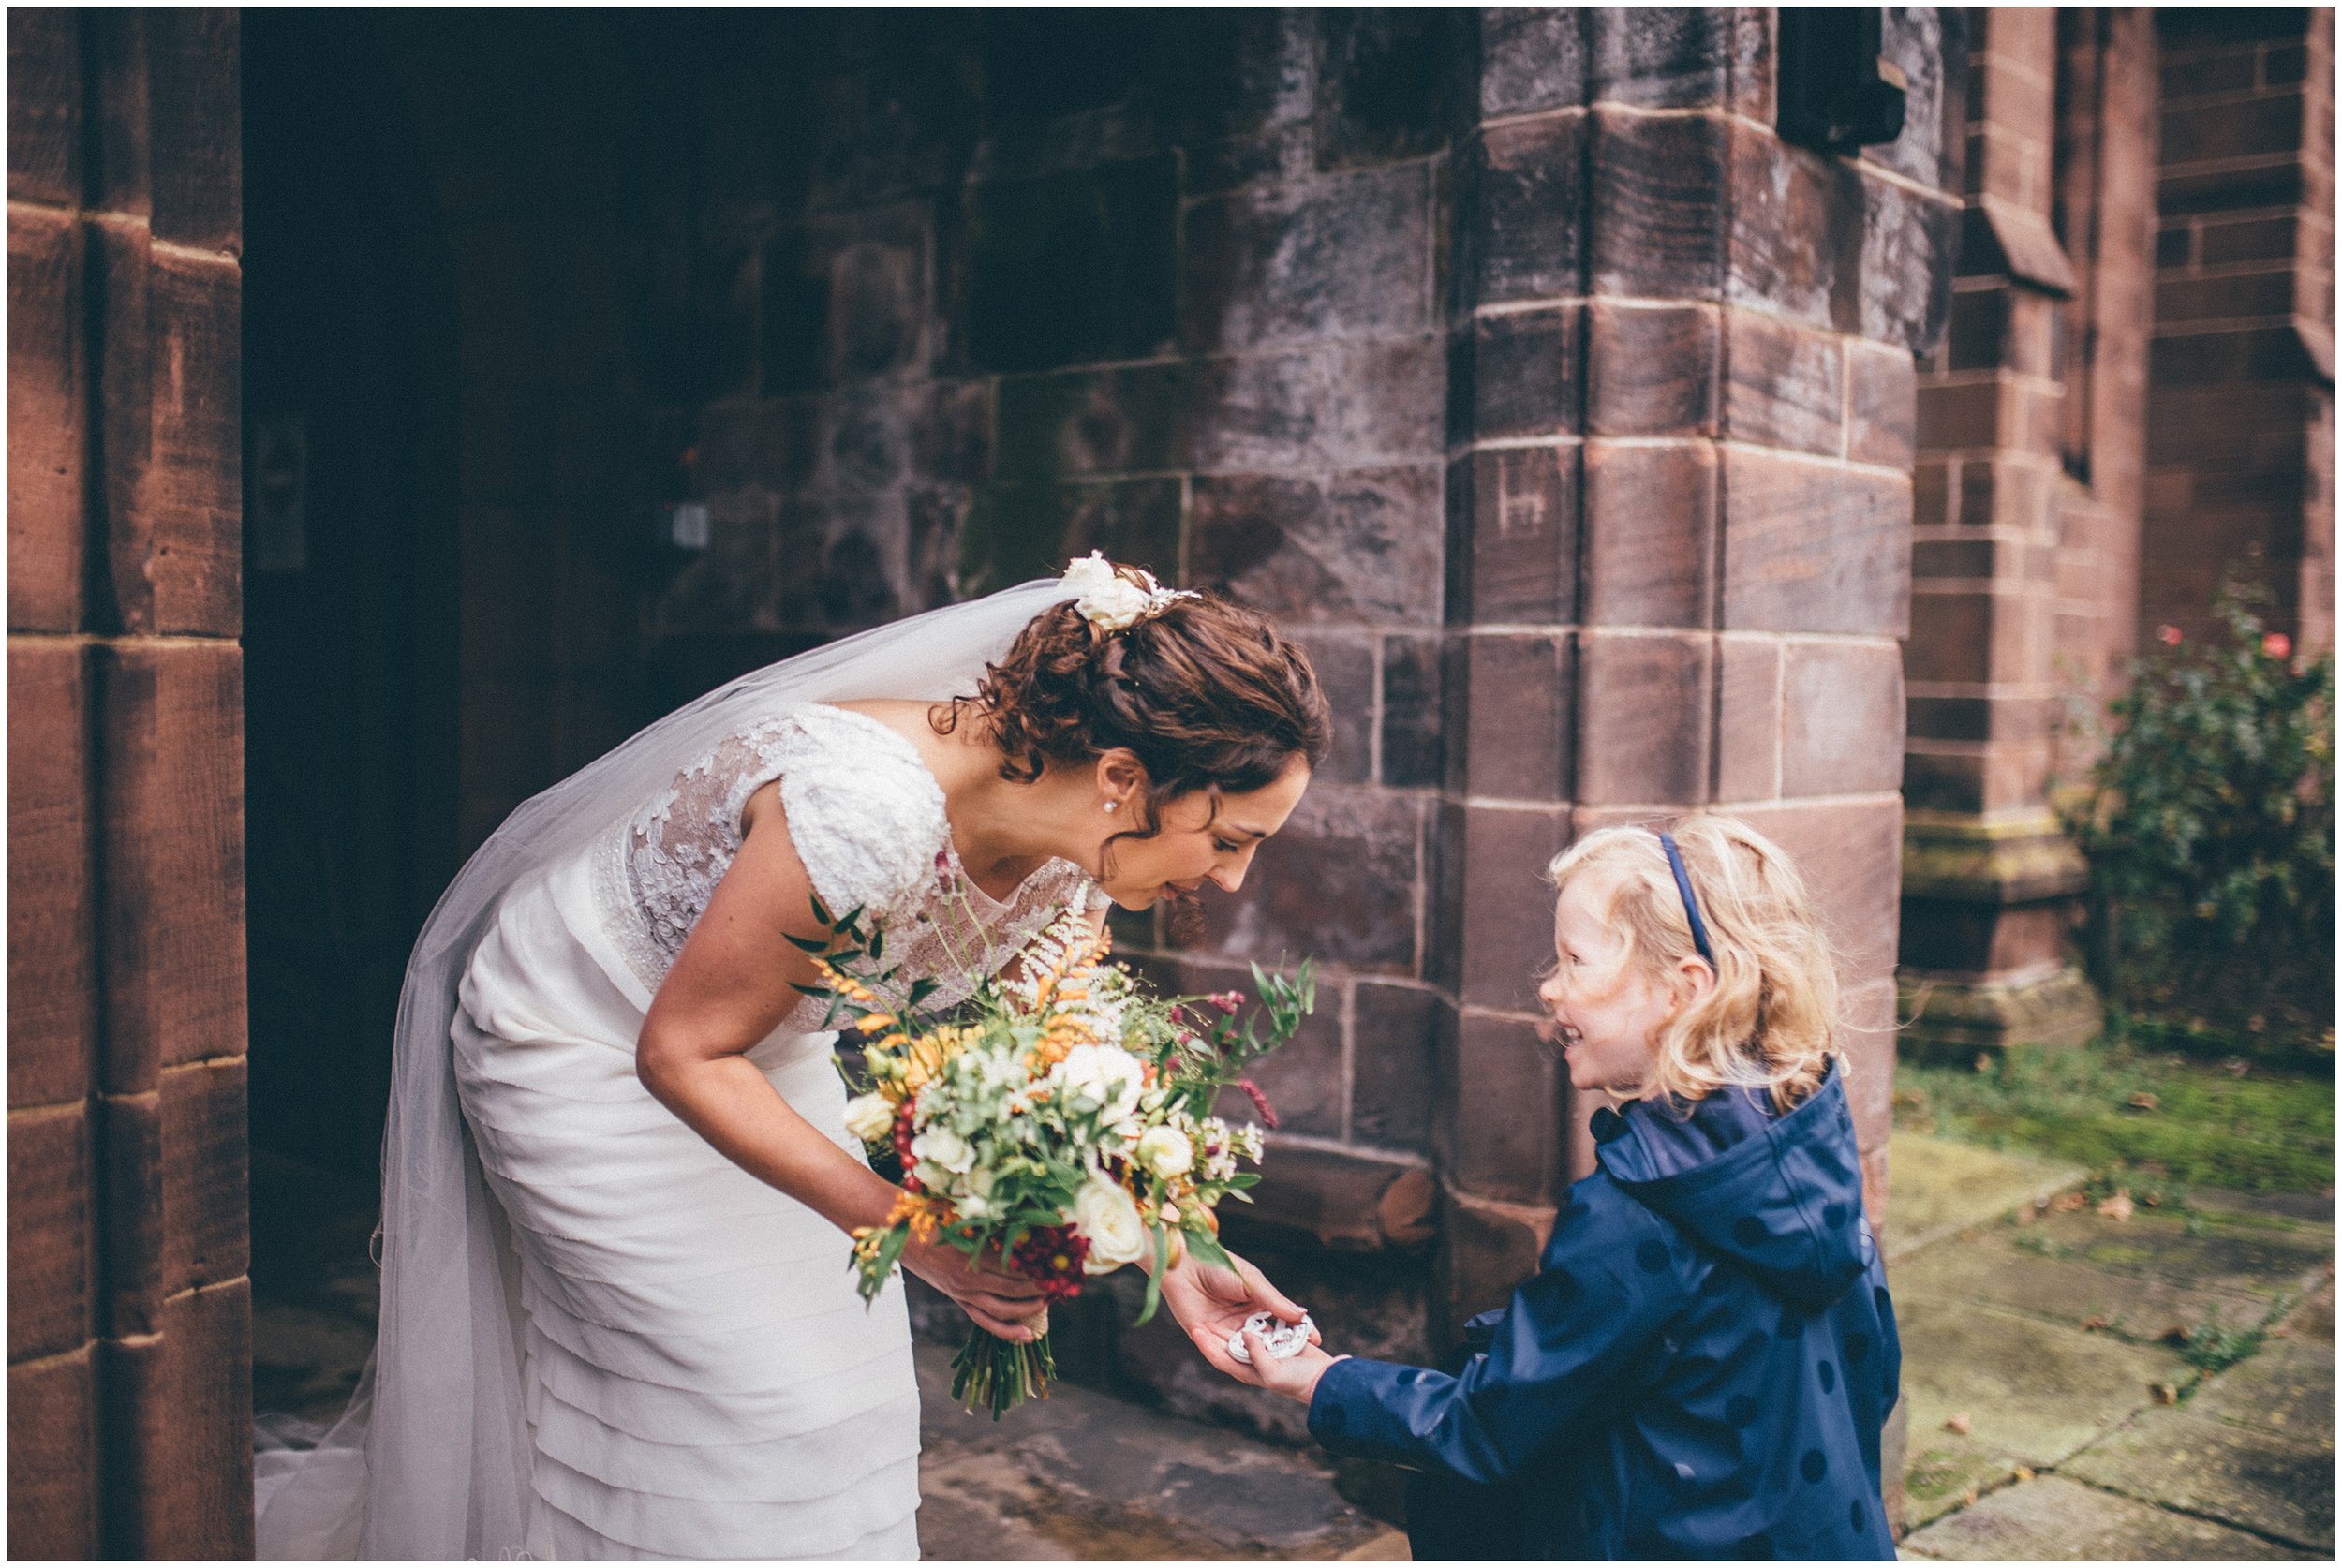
(1780, 1195)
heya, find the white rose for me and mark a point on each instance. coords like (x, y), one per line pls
(943, 1148)
(869, 1117)
(1106, 1217)
(1166, 1151)
(1107, 1074)
(1107, 601)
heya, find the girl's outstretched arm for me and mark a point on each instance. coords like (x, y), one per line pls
(1569, 1338)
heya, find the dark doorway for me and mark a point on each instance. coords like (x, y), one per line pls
(350, 619)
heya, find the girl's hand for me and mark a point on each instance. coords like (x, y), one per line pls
(1212, 1303)
(999, 1303)
(1295, 1376)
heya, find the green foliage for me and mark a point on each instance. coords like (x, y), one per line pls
(2212, 1347)
(2211, 1124)
(2208, 825)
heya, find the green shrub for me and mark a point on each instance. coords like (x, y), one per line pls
(2208, 824)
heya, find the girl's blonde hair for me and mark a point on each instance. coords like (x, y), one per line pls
(1771, 1017)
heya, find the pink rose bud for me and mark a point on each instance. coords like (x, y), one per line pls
(2168, 636)
(2278, 646)
(1227, 1001)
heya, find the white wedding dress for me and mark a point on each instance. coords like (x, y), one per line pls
(602, 1338)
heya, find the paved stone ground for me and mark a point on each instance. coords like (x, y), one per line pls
(2054, 1410)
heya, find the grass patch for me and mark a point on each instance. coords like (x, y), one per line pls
(2154, 1120)
(2213, 1348)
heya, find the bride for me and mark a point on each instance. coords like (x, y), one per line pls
(616, 1316)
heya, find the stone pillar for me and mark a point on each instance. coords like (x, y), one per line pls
(2241, 421)
(130, 1315)
(1988, 878)
(1680, 501)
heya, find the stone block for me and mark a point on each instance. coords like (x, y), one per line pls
(1517, 376)
(1346, 1200)
(48, 398)
(1345, 672)
(1842, 719)
(2238, 129)
(1510, 696)
(1520, 224)
(1512, 546)
(2083, 1523)
(1127, 420)
(1882, 390)
(1365, 546)
(1532, 58)
(1660, 57)
(52, 1019)
(2226, 297)
(177, 1459)
(1073, 267)
(45, 129)
(51, 1220)
(1015, 532)
(1748, 719)
(171, 385)
(1903, 285)
(1282, 157)
(1355, 404)
(2274, 1485)
(1650, 534)
(1978, 328)
(1962, 416)
(1657, 206)
(1490, 1248)
(1813, 548)
(1752, 64)
(1930, 47)
(1413, 749)
(175, 1177)
(53, 1460)
(170, 723)
(1331, 259)
(1503, 1138)
(1644, 705)
(1850, 852)
(1239, 72)
(1303, 1079)
(1393, 1038)
(1385, 80)
(194, 128)
(1340, 883)
(1955, 636)
(1493, 924)
(951, 432)
(1651, 370)
(1786, 387)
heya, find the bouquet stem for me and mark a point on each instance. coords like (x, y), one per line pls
(992, 1373)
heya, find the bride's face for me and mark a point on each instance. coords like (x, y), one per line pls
(1197, 846)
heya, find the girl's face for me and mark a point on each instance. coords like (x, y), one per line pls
(1197, 846)
(1607, 1007)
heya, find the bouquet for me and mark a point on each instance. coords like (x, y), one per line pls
(1059, 1122)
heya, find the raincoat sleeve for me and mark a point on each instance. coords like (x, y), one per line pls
(1566, 1340)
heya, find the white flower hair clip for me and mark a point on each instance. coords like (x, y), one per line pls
(1111, 602)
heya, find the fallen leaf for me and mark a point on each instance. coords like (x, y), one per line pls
(1959, 1423)
(2164, 1393)
(2021, 1474)
(2118, 1207)
(1968, 1499)
(2092, 1323)
(2153, 1200)
(2142, 1100)
(2065, 1202)
(1983, 1061)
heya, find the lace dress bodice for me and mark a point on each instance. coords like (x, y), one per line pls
(867, 818)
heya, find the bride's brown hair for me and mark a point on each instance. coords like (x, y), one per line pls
(1204, 692)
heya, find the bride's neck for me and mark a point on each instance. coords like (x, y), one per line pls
(1006, 827)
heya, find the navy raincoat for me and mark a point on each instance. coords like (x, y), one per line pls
(1699, 1367)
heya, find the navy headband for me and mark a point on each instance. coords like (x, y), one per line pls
(1691, 905)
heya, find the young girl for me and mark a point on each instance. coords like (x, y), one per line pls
(1703, 1360)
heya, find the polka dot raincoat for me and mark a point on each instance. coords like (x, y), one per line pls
(1699, 1367)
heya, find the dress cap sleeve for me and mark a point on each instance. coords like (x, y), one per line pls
(865, 813)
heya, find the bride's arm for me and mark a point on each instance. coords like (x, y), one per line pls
(729, 989)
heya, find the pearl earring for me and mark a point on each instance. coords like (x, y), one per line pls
(1112, 804)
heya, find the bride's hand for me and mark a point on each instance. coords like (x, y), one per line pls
(1211, 1303)
(1000, 1302)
